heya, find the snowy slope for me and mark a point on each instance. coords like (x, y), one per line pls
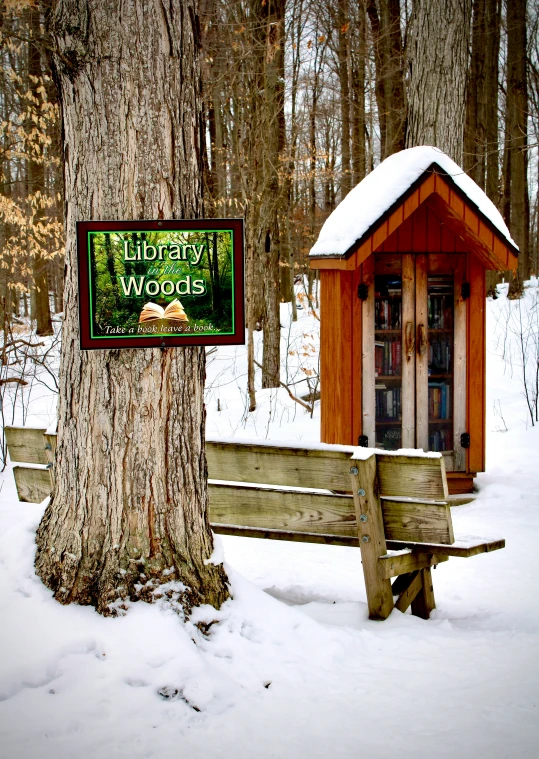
(292, 667)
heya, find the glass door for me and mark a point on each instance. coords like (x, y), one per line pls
(388, 361)
(440, 362)
(414, 354)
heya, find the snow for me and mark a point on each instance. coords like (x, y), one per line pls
(373, 196)
(291, 667)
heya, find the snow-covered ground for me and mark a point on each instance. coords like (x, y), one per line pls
(292, 667)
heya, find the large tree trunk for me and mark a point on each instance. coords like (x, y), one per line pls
(438, 44)
(129, 511)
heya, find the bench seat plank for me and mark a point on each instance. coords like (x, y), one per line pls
(464, 547)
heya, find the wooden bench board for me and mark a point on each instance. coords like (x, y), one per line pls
(26, 444)
(394, 508)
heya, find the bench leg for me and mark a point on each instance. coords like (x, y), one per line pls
(424, 603)
(371, 537)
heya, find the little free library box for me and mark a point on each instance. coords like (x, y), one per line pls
(146, 284)
(402, 265)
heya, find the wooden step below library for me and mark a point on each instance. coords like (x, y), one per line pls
(402, 316)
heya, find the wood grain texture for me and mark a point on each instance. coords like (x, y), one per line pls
(476, 365)
(26, 444)
(424, 602)
(412, 586)
(421, 522)
(294, 537)
(33, 485)
(462, 549)
(367, 359)
(282, 509)
(393, 566)
(422, 354)
(275, 465)
(372, 542)
(412, 476)
(336, 357)
(408, 351)
(460, 396)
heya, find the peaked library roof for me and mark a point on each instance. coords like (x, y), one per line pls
(394, 190)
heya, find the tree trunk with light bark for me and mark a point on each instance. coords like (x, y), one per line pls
(128, 518)
(437, 51)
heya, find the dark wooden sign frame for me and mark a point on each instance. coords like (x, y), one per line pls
(96, 336)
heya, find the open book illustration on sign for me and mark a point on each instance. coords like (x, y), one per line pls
(153, 311)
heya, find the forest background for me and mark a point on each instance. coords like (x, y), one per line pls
(301, 100)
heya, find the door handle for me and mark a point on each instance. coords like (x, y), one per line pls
(421, 339)
(409, 340)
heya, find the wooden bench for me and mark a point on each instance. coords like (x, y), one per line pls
(395, 506)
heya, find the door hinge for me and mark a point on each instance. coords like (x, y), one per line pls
(363, 441)
(465, 290)
(363, 291)
(465, 440)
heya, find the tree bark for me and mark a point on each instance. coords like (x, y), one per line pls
(128, 518)
(437, 51)
(35, 174)
(517, 211)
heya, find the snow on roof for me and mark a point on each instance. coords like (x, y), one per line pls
(380, 189)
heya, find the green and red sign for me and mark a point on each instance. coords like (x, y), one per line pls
(145, 284)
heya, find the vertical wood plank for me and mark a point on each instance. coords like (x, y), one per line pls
(408, 351)
(422, 354)
(405, 237)
(434, 232)
(367, 355)
(476, 365)
(344, 390)
(424, 602)
(357, 341)
(459, 365)
(371, 537)
(419, 221)
(326, 315)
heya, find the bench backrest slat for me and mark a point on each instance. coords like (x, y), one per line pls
(33, 485)
(26, 445)
(412, 476)
(276, 465)
(269, 509)
(420, 522)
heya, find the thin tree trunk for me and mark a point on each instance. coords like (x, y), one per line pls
(35, 172)
(343, 56)
(129, 510)
(516, 138)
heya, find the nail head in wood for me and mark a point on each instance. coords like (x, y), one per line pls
(353, 470)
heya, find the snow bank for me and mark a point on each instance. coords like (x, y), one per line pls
(384, 186)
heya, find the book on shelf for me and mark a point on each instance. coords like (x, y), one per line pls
(439, 400)
(387, 358)
(387, 403)
(387, 313)
(441, 440)
(152, 311)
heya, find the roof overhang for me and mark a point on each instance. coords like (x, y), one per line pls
(439, 191)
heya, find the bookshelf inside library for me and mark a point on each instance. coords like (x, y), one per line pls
(413, 320)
